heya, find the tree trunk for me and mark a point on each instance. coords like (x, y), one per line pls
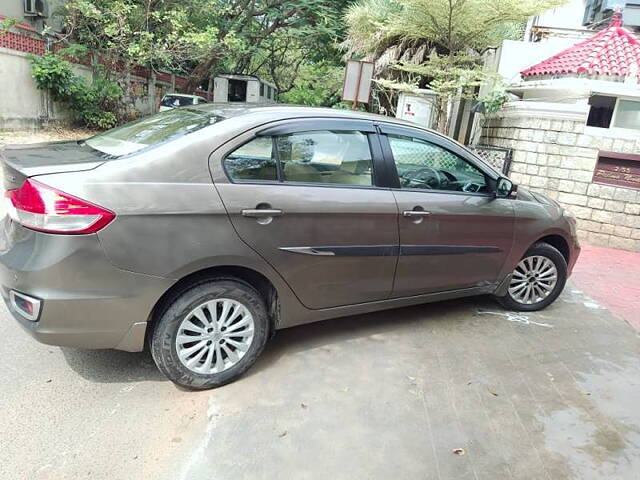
(199, 73)
(443, 114)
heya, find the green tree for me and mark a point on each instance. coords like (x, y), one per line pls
(435, 43)
(268, 37)
(126, 33)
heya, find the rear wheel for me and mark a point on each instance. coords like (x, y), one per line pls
(210, 334)
(537, 280)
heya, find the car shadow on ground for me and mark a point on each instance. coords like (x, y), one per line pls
(340, 330)
(113, 366)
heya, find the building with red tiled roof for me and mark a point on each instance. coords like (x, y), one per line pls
(612, 52)
(572, 124)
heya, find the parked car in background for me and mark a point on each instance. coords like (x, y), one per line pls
(202, 230)
(175, 100)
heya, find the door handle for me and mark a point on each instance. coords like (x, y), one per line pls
(261, 212)
(415, 213)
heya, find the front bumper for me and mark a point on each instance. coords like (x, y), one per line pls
(86, 301)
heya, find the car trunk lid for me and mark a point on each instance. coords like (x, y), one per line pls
(22, 161)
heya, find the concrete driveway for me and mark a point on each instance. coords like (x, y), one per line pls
(552, 395)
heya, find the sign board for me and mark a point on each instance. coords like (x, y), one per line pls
(357, 81)
(417, 108)
(619, 169)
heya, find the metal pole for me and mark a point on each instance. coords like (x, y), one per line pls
(355, 100)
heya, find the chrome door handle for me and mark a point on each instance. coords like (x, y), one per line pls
(261, 212)
(415, 213)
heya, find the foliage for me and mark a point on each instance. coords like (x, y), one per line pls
(94, 105)
(495, 99)
(7, 24)
(269, 38)
(156, 33)
(317, 84)
(280, 41)
(435, 43)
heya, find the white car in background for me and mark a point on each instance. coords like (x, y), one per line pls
(174, 100)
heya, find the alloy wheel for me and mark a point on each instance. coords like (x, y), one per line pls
(533, 280)
(214, 336)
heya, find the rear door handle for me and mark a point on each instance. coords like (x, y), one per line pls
(261, 212)
(415, 213)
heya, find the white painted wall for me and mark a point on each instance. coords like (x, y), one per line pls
(22, 105)
(253, 91)
(569, 15)
(514, 56)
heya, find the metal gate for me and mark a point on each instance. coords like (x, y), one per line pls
(498, 158)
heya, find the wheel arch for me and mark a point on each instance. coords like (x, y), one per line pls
(250, 276)
(558, 242)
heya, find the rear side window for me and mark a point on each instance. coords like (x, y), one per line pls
(253, 161)
(150, 131)
(320, 157)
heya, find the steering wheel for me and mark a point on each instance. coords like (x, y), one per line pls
(471, 187)
(433, 180)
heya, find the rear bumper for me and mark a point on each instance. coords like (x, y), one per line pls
(86, 301)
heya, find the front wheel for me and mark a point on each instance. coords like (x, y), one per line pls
(210, 334)
(537, 280)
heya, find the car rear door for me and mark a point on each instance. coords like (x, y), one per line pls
(303, 194)
(454, 233)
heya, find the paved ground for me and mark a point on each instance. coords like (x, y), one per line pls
(553, 395)
(611, 277)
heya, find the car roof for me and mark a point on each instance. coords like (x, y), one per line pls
(284, 112)
(181, 95)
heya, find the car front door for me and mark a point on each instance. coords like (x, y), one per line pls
(454, 233)
(303, 195)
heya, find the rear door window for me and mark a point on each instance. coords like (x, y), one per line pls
(319, 157)
(326, 157)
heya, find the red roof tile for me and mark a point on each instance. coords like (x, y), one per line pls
(612, 51)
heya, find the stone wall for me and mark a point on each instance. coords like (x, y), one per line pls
(557, 157)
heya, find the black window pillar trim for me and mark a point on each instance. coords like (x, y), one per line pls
(392, 180)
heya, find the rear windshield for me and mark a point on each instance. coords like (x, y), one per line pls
(177, 101)
(149, 131)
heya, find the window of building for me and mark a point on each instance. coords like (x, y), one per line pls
(612, 112)
(261, 89)
(627, 114)
(237, 91)
(601, 111)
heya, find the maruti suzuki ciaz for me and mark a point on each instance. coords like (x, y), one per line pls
(202, 230)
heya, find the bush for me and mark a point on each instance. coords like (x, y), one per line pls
(93, 105)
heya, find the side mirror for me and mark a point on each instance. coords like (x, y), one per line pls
(505, 188)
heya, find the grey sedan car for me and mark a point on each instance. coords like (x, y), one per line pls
(201, 231)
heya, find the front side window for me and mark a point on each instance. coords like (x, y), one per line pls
(424, 165)
(253, 161)
(320, 157)
(326, 157)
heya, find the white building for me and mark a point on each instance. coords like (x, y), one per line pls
(243, 88)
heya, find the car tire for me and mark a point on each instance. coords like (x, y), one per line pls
(549, 261)
(199, 312)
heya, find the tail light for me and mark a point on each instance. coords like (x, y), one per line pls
(46, 209)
